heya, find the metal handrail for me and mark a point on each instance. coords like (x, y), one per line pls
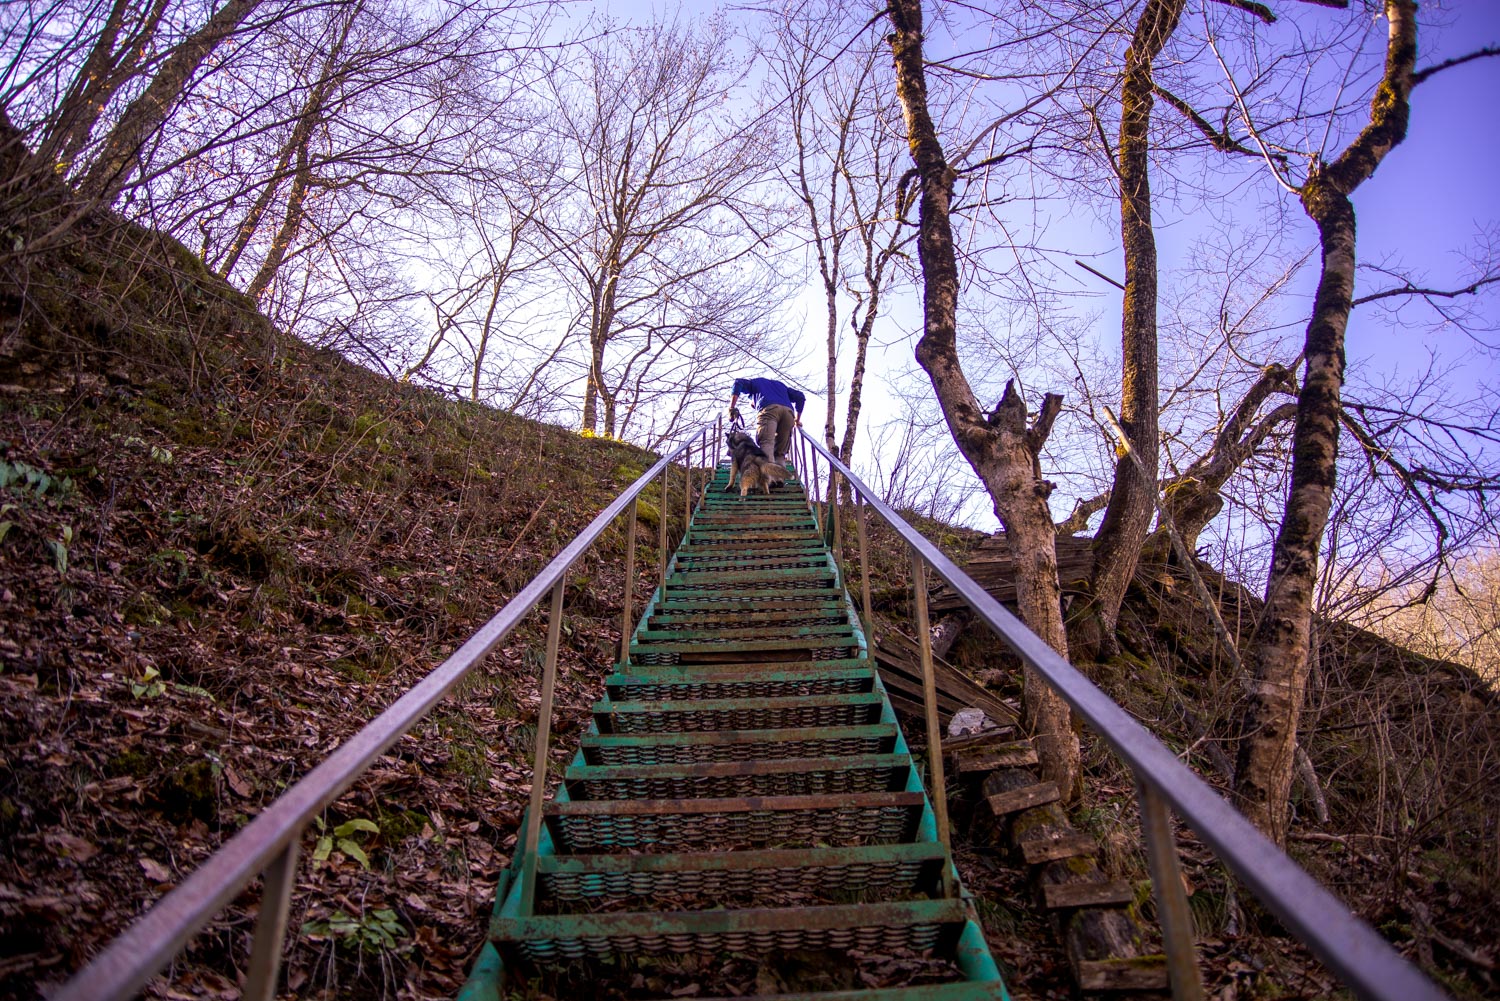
(1347, 946)
(270, 842)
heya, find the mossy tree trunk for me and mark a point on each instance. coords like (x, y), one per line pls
(1278, 657)
(1132, 497)
(120, 156)
(111, 62)
(1002, 448)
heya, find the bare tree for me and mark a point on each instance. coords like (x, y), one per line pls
(666, 209)
(847, 138)
(1003, 447)
(1278, 654)
(121, 149)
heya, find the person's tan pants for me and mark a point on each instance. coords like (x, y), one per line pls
(776, 423)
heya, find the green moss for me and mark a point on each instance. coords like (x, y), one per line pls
(10, 815)
(189, 791)
(136, 764)
(142, 609)
(398, 825)
(351, 669)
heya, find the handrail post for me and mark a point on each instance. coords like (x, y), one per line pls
(629, 583)
(533, 842)
(1171, 898)
(838, 521)
(661, 536)
(687, 488)
(814, 494)
(929, 704)
(270, 925)
(864, 581)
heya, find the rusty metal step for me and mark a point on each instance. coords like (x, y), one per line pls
(738, 714)
(748, 598)
(671, 616)
(966, 990)
(881, 927)
(723, 779)
(676, 639)
(738, 745)
(659, 882)
(733, 823)
(762, 681)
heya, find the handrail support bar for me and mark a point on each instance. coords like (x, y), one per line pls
(1171, 897)
(270, 925)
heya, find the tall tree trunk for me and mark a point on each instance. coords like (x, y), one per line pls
(291, 223)
(311, 114)
(1002, 449)
(1278, 655)
(119, 157)
(110, 63)
(1132, 499)
(600, 324)
(857, 381)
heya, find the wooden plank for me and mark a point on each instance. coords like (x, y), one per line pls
(1137, 973)
(1056, 845)
(898, 652)
(1019, 755)
(899, 683)
(1114, 893)
(989, 738)
(1026, 797)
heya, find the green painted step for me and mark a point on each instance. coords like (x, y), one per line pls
(722, 779)
(757, 683)
(880, 927)
(744, 821)
(738, 714)
(738, 745)
(878, 872)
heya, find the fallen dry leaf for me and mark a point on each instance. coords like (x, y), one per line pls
(154, 870)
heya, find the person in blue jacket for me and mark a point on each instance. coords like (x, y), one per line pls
(780, 409)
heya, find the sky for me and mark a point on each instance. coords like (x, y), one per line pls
(1433, 195)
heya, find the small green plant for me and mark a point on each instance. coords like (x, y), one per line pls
(59, 548)
(149, 685)
(342, 838)
(375, 932)
(170, 561)
(20, 476)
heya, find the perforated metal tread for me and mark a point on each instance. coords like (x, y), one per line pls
(738, 714)
(919, 924)
(655, 882)
(743, 821)
(737, 685)
(738, 745)
(784, 777)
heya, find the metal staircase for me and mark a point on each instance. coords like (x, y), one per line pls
(744, 789)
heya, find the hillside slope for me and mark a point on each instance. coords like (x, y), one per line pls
(221, 552)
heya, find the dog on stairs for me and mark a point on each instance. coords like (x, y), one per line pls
(754, 468)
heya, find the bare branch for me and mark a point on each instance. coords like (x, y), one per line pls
(1428, 293)
(1221, 141)
(1420, 75)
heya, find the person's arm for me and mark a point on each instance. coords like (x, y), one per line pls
(734, 398)
(799, 401)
